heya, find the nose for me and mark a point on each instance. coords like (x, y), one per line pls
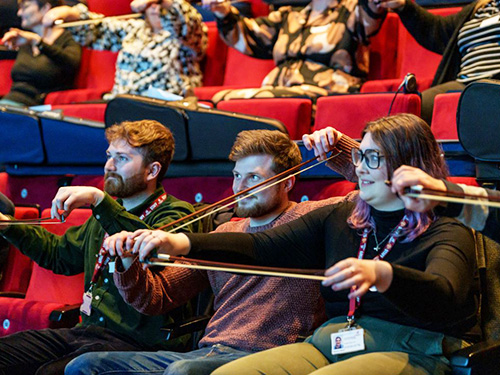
(362, 168)
(110, 165)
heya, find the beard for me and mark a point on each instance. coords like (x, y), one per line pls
(120, 188)
(258, 208)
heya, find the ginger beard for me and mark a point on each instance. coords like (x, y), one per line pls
(115, 185)
(260, 204)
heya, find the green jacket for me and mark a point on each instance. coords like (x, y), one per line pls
(76, 251)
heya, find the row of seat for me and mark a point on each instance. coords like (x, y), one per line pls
(32, 297)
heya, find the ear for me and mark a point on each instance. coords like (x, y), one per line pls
(289, 184)
(153, 170)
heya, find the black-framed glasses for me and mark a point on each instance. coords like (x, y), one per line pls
(372, 157)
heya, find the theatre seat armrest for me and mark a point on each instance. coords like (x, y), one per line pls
(13, 294)
(478, 355)
(66, 314)
(195, 324)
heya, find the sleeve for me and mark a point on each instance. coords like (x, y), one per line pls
(298, 244)
(479, 217)
(156, 291)
(444, 287)
(106, 35)
(184, 21)
(6, 205)
(114, 218)
(431, 31)
(253, 37)
(342, 164)
(61, 254)
(68, 55)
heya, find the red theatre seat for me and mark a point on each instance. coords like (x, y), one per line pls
(5, 78)
(241, 72)
(95, 77)
(350, 113)
(109, 8)
(17, 273)
(94, 111)
(295, 114)
(48, 295)
(411, 58)
(214, 63)
(444, 117)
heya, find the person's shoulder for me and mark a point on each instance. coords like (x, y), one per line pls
(175, 203)
(450, 228)
(232, 226)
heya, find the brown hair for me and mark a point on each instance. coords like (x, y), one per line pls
(41, 3)
(154, 140)
(285, 152)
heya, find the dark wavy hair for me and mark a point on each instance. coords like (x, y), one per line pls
(403, 139)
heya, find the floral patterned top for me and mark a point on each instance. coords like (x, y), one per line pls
(167, 60)
(329, 51)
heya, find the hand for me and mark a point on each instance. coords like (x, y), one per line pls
(220, 8)
(140, 6)
(322, 141)
(406, 176)
(361, 273)
(65, 13)
(4, 217)
(144, 241)
(115, 246)
(70, 197)
(391, 4)
(15, 38)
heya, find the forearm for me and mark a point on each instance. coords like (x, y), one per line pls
(67, 56)
(342, 164)
(155, 292)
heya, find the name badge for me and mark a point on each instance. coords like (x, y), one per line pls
(348, 341)
(490, 21)
(319, 29)
(111, 266)
(86, 307)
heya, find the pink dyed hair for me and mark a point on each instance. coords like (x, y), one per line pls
(403, 139)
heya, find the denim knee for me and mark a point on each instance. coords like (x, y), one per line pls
(80, 365)
(188, 367)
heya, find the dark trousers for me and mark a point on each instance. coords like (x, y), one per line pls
(47, 351)
(429, 95)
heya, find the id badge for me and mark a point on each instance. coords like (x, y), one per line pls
(86, 307)
(348, 341)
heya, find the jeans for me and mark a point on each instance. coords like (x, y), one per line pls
(199, 362)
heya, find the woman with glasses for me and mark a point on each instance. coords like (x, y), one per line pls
(399, 288)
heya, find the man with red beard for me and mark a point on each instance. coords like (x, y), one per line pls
(252, 313)
(138, 156)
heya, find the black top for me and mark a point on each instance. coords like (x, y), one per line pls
(433, 284)
(437, 34)
(53, 69)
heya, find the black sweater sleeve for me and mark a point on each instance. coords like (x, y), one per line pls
(67, 53)
(431, 31)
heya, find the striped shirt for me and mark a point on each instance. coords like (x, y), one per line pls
(479, 44)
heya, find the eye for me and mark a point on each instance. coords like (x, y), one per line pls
(122, 158)
(236, 176)
(254, 177)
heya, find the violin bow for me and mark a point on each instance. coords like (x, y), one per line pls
(235, 198)
(60, 23)
(39, 221)
(419, 192)
(165, 260)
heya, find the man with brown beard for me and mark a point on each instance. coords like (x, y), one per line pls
(139, 154)
(252, 313)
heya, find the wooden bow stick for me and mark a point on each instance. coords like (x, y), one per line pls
(165, 260)
(64, 25)
(235, 198)
(45, 221)
(419, 192)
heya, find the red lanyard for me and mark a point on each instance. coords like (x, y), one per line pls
(354, 302)
(103, 256)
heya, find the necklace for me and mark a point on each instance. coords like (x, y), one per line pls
(378, 244)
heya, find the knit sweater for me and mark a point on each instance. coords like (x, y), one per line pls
(252, 313)
(433, 285)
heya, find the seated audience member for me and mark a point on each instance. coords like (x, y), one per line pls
(48, 58)
(138, 157)
(467, 41)
(6, 208)
(161, 51)
(482, 218)
(405, 278)
(8, 16)
(252, 313)
(318, 50)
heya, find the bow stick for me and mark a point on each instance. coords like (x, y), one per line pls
(418, 191)
(165, 260)
(64, 25)
(45, 220)
(235, 198)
